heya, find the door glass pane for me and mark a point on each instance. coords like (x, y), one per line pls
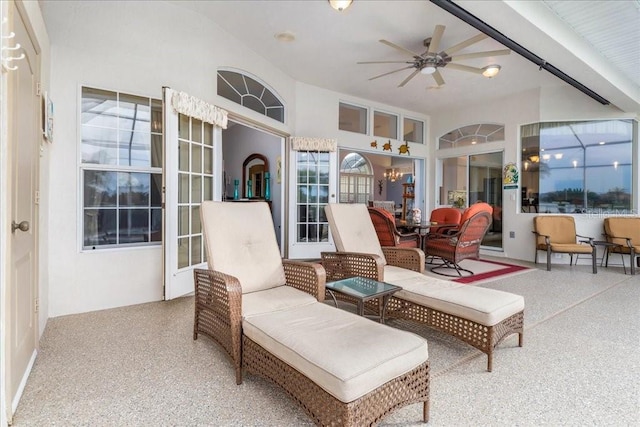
(183, 156)
(454, 182)
(207, 160)
(183, 252)
(196, 158)
(183, 188)
(196, 130)
(183, 220)
(196, 250)
(196, 189)
(196, 226)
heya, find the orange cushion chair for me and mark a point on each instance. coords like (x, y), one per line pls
(388, 235)
(445, 216)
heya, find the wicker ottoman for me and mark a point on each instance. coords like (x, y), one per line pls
(343, 369)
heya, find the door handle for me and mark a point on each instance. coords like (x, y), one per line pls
(23, 226)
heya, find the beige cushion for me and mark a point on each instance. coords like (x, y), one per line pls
(346, 355)
(240, 240)
(274, 299)
(352, 229)
(481, 305)
(571, 248)
(561, 229)
(622, 228)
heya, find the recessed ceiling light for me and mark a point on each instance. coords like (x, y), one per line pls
(601, 142)
(286, 36)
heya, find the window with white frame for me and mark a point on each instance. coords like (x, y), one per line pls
(120, 169)
(413, 130)
(250, 93)
(356, 179)
(352, 118)
(471, 135)
(385, 125)
(578, 166)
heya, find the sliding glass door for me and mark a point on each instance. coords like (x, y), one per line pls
(475, 178)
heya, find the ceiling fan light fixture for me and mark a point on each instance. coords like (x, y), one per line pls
(340, 5)
(428, 70)
(491, 70)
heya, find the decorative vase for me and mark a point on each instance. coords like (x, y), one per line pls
(267, 187)
(236, 184)
(249, 190)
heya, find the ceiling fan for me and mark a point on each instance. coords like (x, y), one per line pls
(431, 60)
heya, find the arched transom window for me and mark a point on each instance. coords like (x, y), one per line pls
(471, 135)
(250, 93)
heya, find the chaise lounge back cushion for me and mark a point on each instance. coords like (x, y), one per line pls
(352, 229)
(240, 240)
(619, 229)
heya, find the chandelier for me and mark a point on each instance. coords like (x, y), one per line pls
(392, 175)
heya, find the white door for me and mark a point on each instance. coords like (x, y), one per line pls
(312, 184)
(22, 328)
(192, 170)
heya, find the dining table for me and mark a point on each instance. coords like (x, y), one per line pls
(423, 228)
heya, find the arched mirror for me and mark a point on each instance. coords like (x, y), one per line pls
(254, 168)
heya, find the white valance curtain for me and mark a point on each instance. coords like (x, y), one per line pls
(189, 105)
(299, 143)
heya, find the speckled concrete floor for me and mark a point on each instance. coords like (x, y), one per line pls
(139, 366)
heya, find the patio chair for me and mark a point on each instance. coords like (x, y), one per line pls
(625, 233)
(268, 314)
(557, 234)
(442, 216)
(454, 248)
(387, 232)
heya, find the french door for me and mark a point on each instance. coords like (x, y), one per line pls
(191, 176)
(312, 184)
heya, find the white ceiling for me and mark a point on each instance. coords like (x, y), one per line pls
(329, 43)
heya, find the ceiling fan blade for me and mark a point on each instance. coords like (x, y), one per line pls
(412, 75)
(464, 68)
(465, 43)
(384, 62)
(400, 48)
(480, 54)
(438, 78)
(391, 72)
(435, 39)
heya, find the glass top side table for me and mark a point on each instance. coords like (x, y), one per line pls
(363, 289)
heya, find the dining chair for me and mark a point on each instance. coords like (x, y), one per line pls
(463, 244)
(388, 235)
